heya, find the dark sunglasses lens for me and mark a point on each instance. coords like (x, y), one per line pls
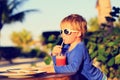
(66, 31)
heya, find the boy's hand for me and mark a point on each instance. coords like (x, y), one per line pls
(56, 50)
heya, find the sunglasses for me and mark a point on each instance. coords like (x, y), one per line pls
(67, 31)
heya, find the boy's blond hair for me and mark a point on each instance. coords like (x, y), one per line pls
(77, 22)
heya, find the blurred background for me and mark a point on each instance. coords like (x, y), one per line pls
(30, 29)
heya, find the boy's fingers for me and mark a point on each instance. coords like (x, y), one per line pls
(56, 50)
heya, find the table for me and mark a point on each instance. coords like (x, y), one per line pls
(44, 76)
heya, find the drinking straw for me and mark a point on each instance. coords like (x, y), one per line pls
(62, 46)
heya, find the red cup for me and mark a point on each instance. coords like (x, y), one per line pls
(60, 60)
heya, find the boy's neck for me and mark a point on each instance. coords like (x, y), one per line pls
(74, 44)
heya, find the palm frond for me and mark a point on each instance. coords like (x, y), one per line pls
(30, 10)
(15, 4)
(19, 16)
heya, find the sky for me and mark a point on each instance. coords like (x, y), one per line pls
(49, 16)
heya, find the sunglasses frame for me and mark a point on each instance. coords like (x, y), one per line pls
(68, 31)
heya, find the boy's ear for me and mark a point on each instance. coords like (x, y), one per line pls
(79, 34)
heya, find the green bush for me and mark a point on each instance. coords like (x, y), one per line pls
(105, 47)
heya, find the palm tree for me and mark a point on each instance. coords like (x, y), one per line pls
(7, 15)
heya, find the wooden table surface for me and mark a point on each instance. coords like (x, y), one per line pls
(44, 76)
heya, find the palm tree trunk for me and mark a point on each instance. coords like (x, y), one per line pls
(1, 10)
(0, 26)
(0, 29)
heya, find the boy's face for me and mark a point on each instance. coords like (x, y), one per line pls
(68, 34)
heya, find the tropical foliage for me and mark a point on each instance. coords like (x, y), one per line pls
(22, 39)
(104, 48)
(93, 24)
(104, 45)
(117, 23)
(9, 13)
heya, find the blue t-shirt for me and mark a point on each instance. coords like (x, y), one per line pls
(79, 62)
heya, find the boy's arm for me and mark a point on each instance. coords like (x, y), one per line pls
(75, 61)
